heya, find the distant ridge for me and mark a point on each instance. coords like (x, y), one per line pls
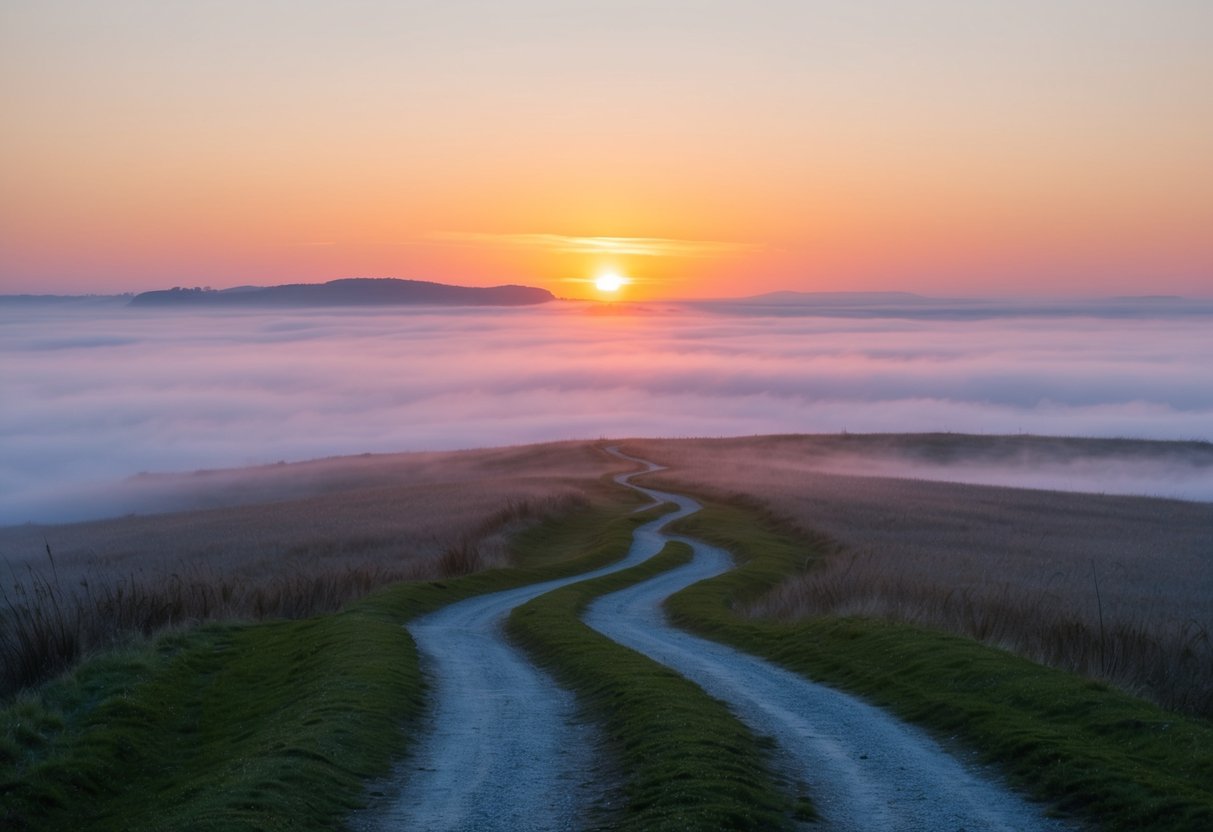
(356, 291)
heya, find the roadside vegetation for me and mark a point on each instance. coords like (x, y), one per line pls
(1118, 589)
(277, 725)
(1077, 744)
(269, 726)
(317, 536)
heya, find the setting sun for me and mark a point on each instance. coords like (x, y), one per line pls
(610, 282)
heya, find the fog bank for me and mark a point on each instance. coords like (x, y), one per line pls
(95, 394)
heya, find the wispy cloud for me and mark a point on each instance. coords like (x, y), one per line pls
(630, 246)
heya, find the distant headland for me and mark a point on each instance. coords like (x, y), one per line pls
(359, 291)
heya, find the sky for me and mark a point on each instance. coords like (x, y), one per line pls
(95, 394)
(697, 148)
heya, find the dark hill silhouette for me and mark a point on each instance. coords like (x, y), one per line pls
(358, 291)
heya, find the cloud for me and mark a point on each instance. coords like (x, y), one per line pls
(630, 246)
(1164, 476)
(92, 396)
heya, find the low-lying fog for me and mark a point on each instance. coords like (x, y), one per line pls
(95, 393)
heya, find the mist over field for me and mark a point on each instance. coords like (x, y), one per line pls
(95, 393)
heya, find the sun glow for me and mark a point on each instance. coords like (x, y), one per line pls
(610, 282)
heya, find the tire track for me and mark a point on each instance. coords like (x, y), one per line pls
(864, 768)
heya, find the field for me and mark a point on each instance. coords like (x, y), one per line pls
(297, 700)
(286, 541)
(1117, 588)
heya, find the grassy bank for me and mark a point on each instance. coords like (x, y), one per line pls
(262, 727)
(690, 765)
(1115, 588)
(255, 727)
(1083, 747)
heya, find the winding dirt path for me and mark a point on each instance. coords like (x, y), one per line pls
(503, 748)
(865, 770)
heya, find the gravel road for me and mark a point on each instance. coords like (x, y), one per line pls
(503, 748)
(864, 769)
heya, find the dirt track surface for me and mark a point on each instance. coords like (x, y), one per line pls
(863, 769)
(503, 749)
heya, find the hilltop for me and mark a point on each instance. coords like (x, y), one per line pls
(349, 292)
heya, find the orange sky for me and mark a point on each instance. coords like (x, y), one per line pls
(704, 148)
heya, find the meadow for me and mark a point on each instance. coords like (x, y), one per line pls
(317, 707)
(1115, 588)
(279, 541)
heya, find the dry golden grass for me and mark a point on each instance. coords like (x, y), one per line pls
(290, 541)
(1013, 567)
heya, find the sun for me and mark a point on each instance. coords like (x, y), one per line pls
(610, 282)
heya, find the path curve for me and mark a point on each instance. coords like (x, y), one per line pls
(502, 748)
(865, 769)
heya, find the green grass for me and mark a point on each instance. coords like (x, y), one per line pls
(280, 725)
(222, 728)
(690, 765)
(1088, 750)
(256, 727)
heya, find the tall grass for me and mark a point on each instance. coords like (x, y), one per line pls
(49, 620)
(277, 541)
(1013, 568)
(1167, 661)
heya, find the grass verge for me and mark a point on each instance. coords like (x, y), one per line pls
(690, 764)
(255, 727)
(1088, 750)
